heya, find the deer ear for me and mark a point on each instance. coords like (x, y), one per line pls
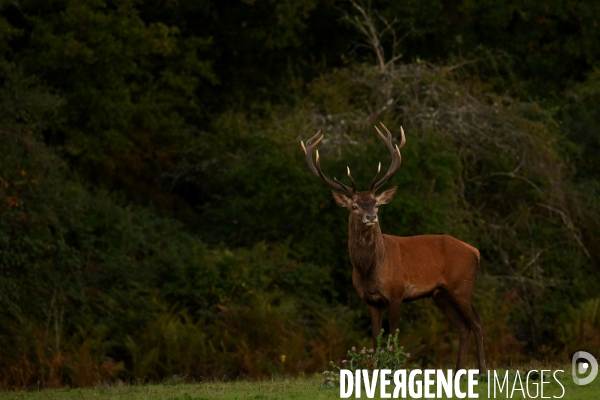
(386, 196)
(341, 200)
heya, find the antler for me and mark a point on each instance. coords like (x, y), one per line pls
(396, 158)
(337, 185)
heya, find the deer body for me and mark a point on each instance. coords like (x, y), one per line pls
(389, 270)
(405, 272)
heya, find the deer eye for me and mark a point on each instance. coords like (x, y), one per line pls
(354, 208)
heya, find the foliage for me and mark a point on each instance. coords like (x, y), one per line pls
(581, 118)
(535, 36)
(128, 87)
(580, 328)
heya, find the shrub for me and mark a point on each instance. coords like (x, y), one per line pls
(387, 355)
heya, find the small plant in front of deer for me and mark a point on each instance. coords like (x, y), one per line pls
(386, 355)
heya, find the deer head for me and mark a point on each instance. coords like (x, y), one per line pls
(363, 206)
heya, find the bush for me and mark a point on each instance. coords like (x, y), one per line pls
(389, 356)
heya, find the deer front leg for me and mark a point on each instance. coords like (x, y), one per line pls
(394, 316)
(376, 322)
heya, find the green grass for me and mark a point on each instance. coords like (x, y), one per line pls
(278, 388)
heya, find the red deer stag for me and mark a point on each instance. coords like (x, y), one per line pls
(388, 270)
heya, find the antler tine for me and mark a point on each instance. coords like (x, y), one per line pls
(351, 179)
(311, 144)
(396, 156)
(375, 179)
(403, 139)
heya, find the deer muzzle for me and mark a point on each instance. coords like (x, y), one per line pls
(370, 219)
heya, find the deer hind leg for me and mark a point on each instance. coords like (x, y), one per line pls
(445, 302)
(462, 300)
(479, 339)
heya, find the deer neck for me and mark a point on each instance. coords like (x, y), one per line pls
(367, 250)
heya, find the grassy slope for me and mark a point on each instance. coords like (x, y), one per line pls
(275, 389)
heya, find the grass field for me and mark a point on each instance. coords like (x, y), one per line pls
(278, 388)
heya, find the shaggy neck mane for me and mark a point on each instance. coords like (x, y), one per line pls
(367, 250)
